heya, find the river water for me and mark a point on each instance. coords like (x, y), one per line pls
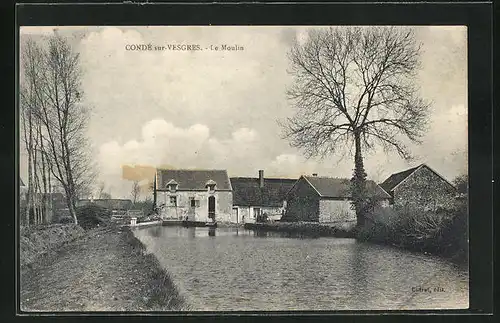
(240, 270)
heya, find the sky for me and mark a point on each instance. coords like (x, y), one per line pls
(212, 109)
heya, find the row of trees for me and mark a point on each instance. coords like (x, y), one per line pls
(53, 125)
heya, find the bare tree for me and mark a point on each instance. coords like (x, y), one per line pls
(102, 193)
(101, 190)
(56, 104)
(105, 195)
(354, 87)
(135, 192)
(32, 133)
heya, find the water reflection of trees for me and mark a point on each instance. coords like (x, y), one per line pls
(359, 268)
(259, 233)
(191, 233)
(156, 232)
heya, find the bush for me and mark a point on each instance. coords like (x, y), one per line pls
(91, 216)
(443, 232)
(65, 220)
(454, 235)
(36, 241)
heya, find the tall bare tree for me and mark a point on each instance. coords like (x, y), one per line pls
(32, 134)
(136, 191)
(354, 87)
(51, 88)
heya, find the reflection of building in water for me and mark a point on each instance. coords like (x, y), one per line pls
(211, 232)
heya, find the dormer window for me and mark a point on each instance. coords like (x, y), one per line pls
(172, 186)
(210, 185)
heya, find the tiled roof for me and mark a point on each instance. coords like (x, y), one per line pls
(396, 178)
(247, 191)
(189, 179)
(340, 187)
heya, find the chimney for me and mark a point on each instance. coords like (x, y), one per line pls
(315, 174)
(261, 178)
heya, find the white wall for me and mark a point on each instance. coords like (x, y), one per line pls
(246, 214)
(223, 204)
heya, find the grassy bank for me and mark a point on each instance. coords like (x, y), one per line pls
(308, 229)
(443, 233)
(105, 269)
(40, 241)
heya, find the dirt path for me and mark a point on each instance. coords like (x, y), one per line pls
(103, 271)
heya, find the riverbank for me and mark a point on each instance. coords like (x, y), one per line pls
(105, 269)
(377, 234)
(309, 229)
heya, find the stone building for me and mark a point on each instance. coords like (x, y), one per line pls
(194, 195)
(326, 199)
(420, 187)
(259, 196)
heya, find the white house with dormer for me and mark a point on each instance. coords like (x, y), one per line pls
(194, 195)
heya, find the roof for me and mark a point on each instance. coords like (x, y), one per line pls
(340, 187)
(395, 179)
(390, 183)
(112, 204)
(194, 179)
(247, 191)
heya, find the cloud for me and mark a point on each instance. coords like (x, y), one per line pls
(162, 143)
(291, 166)
(48, 30)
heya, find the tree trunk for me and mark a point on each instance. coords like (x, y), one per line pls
(154, 193)
(359, 182)
(71, 205)
(72, 211)
(29, 149)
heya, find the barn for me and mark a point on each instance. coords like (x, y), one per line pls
(420, 187)
(326, 199)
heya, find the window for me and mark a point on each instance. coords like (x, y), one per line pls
(210, 185)
(194, 203)
(172, 185)
(256, 212)
(173, 200)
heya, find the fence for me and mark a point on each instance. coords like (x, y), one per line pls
(135, 213)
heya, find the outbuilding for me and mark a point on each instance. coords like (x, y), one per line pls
(326, 199)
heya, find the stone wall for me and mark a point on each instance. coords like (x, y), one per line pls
(302, 203)
(336, 211)
(424, 190)
(223, 205)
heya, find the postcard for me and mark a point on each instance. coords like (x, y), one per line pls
(243, 168)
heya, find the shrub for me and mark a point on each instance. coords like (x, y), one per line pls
(443, 231)
(454, 234)
(65, 220)
(91, 216)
